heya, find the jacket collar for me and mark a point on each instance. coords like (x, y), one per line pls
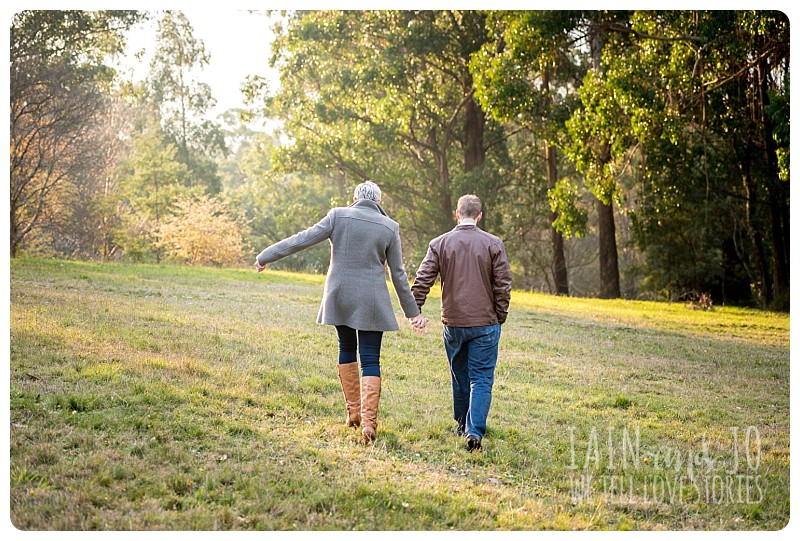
(368, 203)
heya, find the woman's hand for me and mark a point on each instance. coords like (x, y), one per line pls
(418, 323)
(259, 266)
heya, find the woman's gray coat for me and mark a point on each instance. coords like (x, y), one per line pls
(363, 238)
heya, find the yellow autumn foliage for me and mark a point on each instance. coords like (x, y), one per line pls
(202, 232)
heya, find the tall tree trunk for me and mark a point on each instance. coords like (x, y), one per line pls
(607, 240)
(780, 256)
(184, 145)
(780, 264)
(556, 239)
(606, 231)
(751, 191)
(443, 176)
(559, 265)
(474, 123)
(158, 220)
(783, 210)
(445, 198)
(13, 235)
(474, 150)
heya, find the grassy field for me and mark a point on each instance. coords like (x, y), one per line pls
(176, 398)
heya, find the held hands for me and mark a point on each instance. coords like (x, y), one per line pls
(259, 266)
(418, 323)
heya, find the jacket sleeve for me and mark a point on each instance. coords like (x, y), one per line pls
(501, 282)
(394, 257)
(299, 241)
(426, 276)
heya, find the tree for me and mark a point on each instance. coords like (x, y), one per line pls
(596, 142)
(276, 205)
(151, 180)
(57, 79)
(80, 216)
(184, 100)
(246, 145)
(692, 93)
(388, 95)
(676, 122)
(526, 76)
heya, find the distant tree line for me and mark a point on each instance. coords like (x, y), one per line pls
(618, 153)
(103, 168)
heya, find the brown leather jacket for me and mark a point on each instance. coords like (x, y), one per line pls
(476, 277)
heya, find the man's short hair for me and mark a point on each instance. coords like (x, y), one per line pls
(367, 190)
(469, 206)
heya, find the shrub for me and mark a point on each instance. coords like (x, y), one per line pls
(202, 232)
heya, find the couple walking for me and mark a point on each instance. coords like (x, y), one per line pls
(476, 289)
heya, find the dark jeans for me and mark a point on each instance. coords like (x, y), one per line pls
(472, 353)
(368, 344)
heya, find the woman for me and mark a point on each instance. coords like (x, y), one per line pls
(356, 300)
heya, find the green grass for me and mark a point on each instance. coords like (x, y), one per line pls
(158, 397)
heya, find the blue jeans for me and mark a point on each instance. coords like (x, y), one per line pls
(472, 353)
(368, 344)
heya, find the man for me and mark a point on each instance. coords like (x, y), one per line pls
(476, 290)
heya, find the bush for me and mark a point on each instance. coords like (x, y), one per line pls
(202, 233)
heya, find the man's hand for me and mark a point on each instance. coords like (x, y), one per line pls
(418, 323)
(259, 266)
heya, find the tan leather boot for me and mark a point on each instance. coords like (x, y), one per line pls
(370, 397)
(348, 377)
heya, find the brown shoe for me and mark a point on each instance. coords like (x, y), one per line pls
(370, 397)
(348, 377)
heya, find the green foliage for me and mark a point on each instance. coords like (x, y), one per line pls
(152, 175)
(82, 39)
(509, 71)
(252, 151)
(520, 211)
(177, 53)
(778, 111)
(678, 121)
(670, 106)
(184, 100)
(597, 132)
(524, 76)
(564, 199)
(382, 94)
(151, 179)
(277, 206)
